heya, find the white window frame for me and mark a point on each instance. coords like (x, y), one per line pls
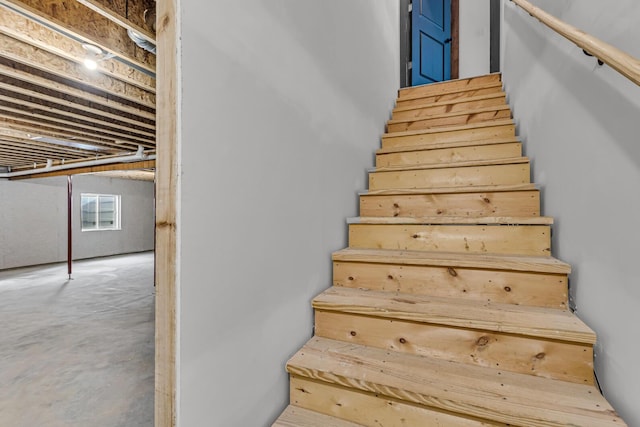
(117, 212)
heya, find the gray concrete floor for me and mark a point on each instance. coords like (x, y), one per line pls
(79, 352)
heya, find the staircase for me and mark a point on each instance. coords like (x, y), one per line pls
(447, 308)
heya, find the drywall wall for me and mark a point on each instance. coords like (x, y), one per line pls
(33, 220)
(474, 54)
(283, 105)
(580, 126)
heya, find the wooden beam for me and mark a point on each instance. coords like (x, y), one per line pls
(145, 164)
(23, 75)
(10, 104)
(138, 175)
(18, 141)
(18, 51)
(49, 122)
(19, 27)
(81, 23)
(26, 128)
(167, 184)
(68, 106)
(110, 10)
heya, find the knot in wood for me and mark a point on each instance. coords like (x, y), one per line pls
(452, 272)
(540, 356)
(482, 341)
(353, 333)
(507, 289)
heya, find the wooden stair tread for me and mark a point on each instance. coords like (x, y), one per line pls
(441, 145)
(548, 323)
(482, 392)
(539, 264)
(294, 416)
(450, 102)
(455, 85)
(501, 122)
(468, 163)
(491, 85)
(452, 114)
(497, 220)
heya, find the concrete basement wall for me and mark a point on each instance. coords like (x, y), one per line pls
(580, 124)
(33, 220)
(283, 104)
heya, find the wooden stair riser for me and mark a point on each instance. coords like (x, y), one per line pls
(515, 353)
(435, 136)
(511, 239)
(497, 113)
(426, 111)
(449, 97)
(501, 203)
(449, 87)
(519, 400)
(371, 409)
(450, 155)
(508, 174)
(498, 286)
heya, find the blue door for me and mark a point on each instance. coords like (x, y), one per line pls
(430, 41)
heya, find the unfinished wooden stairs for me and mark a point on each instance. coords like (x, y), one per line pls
(447, 308)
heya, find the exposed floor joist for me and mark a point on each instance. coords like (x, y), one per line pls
(52, 108)
(19, 27)
(84, 24)
(119, 13)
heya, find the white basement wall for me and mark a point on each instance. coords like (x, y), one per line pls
(580, 125)
(474, 44)
(283, 104)
(33, 220)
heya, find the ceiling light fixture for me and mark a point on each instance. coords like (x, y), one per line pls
(94, 55)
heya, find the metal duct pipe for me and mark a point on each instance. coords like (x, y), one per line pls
(141, 42)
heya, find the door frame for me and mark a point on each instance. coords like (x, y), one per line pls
(405, 41)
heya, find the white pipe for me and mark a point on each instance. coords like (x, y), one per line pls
(122, 159)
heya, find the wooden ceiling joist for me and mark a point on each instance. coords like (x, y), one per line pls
(73, 119)
(118, 12)
(53, 103)
(144, 164)
(28, 77)
(26, 30)
(54, 110)
(56, 151)
(34, 118)
(82, 23)
(18, 51)
(61, 132)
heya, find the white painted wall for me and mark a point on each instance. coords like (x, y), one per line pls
(283, 105)
(33, 219)
(474, 54)
(580, 124)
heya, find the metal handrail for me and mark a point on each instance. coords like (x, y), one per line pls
(617, 59)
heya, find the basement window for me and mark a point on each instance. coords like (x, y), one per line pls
(100, 212)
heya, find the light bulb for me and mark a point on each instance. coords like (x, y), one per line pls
(90, 63)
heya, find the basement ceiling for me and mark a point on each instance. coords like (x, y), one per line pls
(54, 110)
